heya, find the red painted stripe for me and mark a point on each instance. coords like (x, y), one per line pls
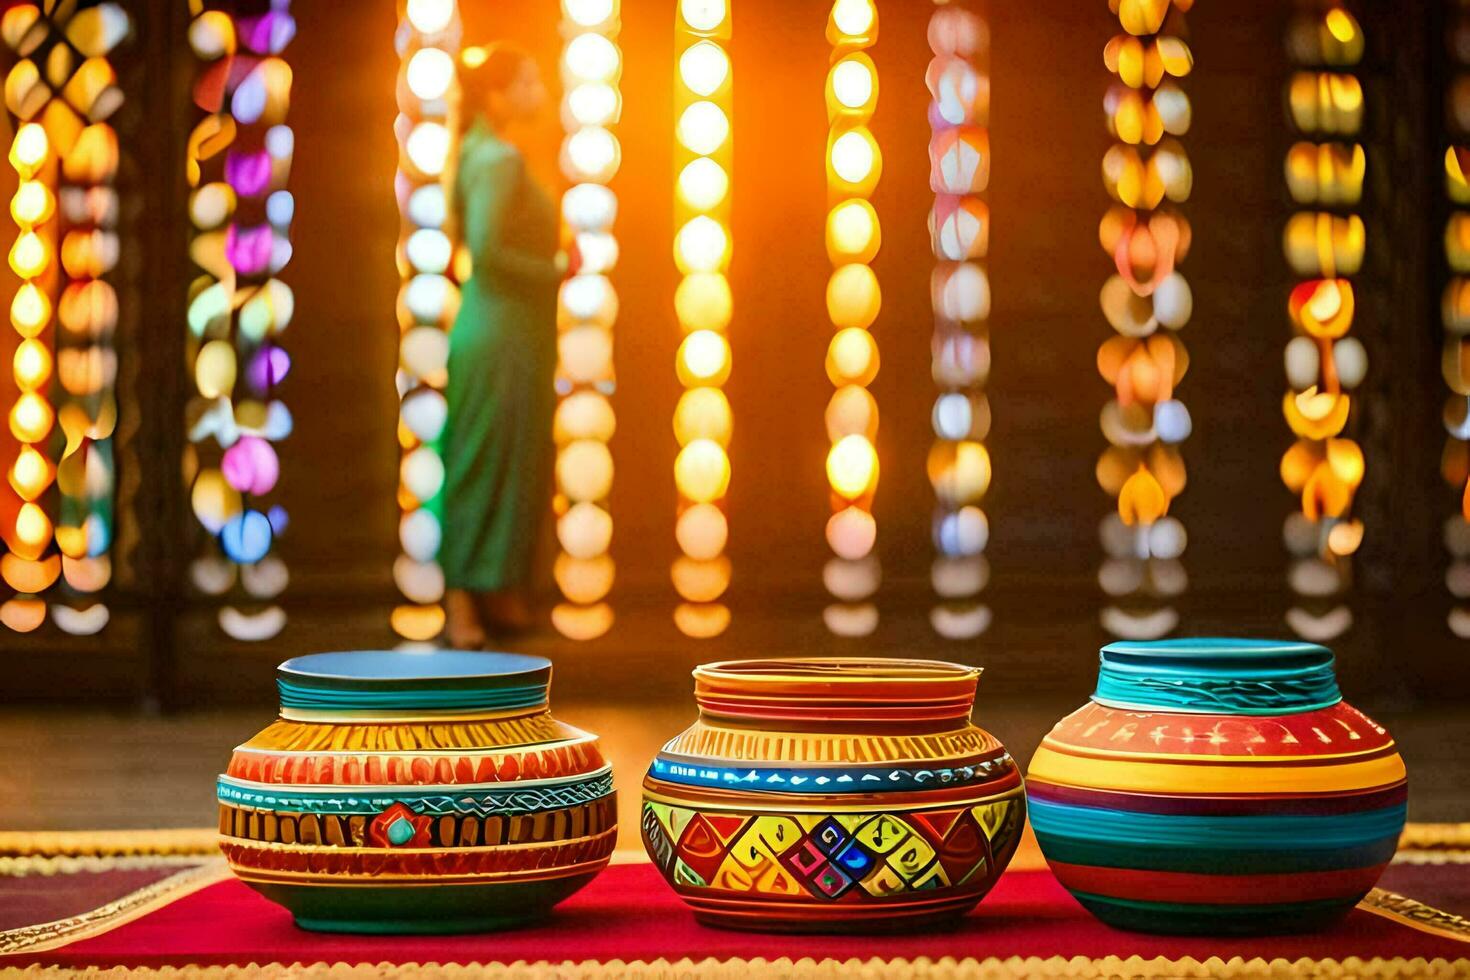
(1242, 803)
(1200, 889)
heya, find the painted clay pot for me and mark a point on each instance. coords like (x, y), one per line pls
(1217, 786)
(417, 793)
(832, 795)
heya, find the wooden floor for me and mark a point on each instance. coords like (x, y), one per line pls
(79, 768)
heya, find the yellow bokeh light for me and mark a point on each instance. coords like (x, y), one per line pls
(851, 410)
(701, 581)
(854, 17)
(703, 127)
(852, 357)
(430, 16)
(1341, 25)
(852, 467)
(31, 417)
(30, 149)
(702, 471)
(703, 68)
(703, 301)
(32, 204)
(703, 15)
(853, 231)
(853, 296)
(594, 153)
(704, 359)
(703, 184)
(853, 83)
(30, 310)
(701, 245)
(430, 72)
(32, 364)
(30, 255)
(588, 13)
(703, 413)
(853, 155)
(592, 58)
(32, 527)
(593, 103)
(30, 474)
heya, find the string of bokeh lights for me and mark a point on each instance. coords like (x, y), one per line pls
(238, 166)
(1146, 302)
(703, 305)
(959, 231)
(1324, 242)
(854, 165)
(1455, 317)
(60, 92)
(587, 308)
(428, 42)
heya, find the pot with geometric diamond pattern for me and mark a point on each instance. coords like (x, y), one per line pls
(832, 795)
(409, 792)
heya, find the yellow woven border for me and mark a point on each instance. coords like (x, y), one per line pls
(1416, 915)
(98, 843)
(1448, 838)
(1129, 968)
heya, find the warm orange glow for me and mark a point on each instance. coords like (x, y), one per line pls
(703, 304)
(1314, 414)
(852, 467)
(1142, 500)
(704, 359)
(703, 184)
(702, 471)
(30, 310)
(29, 150)
(30, 474)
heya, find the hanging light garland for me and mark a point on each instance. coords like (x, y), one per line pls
(428, 298)
(703, 305)
(587, 307)
(853, 236)
(1146, 302)
(959, 231)
(1455, 315)
(239, 162)
(1324, 243)
(60, 92)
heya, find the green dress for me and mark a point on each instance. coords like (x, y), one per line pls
(497, 443)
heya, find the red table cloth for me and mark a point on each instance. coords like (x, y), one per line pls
(628, 915)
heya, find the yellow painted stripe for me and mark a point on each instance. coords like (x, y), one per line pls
(1094, 753)
(1163, 777)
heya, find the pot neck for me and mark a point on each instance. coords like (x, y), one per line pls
(836, 694)
(1214, 675)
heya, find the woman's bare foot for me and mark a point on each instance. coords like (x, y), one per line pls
(462, 628)
(505, 611)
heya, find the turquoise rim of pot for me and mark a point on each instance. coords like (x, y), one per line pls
(1217, 675)
(399, 680)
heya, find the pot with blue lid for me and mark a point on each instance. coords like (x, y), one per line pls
(1217, 786)
(417, 792)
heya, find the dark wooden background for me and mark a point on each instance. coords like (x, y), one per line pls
(1046, 269)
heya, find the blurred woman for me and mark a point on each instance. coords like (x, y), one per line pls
(502, 353)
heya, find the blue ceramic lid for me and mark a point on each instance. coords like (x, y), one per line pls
(400, 680)
(1217, 675)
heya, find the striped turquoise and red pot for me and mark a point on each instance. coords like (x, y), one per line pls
(1217, 786)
